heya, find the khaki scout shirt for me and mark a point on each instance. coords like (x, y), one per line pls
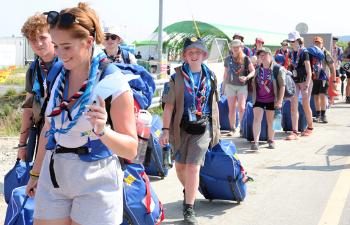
(175, 97)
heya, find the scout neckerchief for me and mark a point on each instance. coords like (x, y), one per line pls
(295, 60)
(40, 74)
(235, 68)
(263, 81)
(98, 56)
(200, 92)
(115, 58)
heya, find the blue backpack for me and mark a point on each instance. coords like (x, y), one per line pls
(247, 124)
(143, 87)
(141, 204)
(222, 176)
(20, 209)
(154, 161)
(316, 57)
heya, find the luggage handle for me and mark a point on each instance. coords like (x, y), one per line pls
(15, 219)
(148, 191)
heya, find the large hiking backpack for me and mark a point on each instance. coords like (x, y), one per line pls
(290, 87)
(141, 204)
(316, 57)
(20, 209)
(154, 161)
(222, 176)
(224, 114)
(287, 119)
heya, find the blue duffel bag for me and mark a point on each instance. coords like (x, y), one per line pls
(223, 114)
(247, 124)
(155, 161)
(16, 177)
(20, 209)
(287, 120)
(141, 204)
(222, 176)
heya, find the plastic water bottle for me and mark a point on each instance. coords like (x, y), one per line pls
(143, 127)
(167, 162)
(277, 120)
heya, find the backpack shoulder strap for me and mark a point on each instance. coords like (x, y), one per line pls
(246, 65)
(275, 70)
(125, 55)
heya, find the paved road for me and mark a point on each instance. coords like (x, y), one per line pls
(302, 182)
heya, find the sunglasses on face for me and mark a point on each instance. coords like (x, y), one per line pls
(112, 36)
(65, 20)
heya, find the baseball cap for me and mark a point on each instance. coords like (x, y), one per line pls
(259, 39)
(238, 36)
(195, 42)
(318, 39)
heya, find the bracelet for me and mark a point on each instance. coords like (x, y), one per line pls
(165, 128)
(101, 133)
(33, 174)
(21, 145)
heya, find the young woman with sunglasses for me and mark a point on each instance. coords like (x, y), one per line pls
(112, 49)
(36, 30)
(80, 180)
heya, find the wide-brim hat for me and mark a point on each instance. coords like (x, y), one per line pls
(265, 50)
(195, 42)
(238, 35)
(293, 36)
(113, 30)
(236, 43)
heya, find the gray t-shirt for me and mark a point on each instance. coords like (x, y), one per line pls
(235, 70)
(30, 76)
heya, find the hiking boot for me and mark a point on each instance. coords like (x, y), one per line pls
(307, 132)
(254, 146)
(323, 119)
(190, 216)
(292, 136)
(272, 144)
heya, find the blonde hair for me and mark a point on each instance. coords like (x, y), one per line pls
(239, 59)
(35, 25)
(88, 23)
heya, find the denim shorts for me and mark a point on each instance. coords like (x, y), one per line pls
(89, 193)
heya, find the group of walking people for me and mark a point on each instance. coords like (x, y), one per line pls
(77, 177)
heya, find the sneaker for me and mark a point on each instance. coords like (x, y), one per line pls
(347, 99)
(292, 136)
(190, 216)
(323, 119)
(316, 119)
(272, 144)
(254, 146)
(307, 132)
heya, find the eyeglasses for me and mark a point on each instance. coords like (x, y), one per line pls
(65, 20)
(112, 36)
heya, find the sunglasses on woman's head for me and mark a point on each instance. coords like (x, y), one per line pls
(112, 36)
(65, 20)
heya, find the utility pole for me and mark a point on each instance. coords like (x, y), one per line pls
(160, 32)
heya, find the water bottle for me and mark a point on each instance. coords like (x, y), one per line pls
(143, 127)
(277, 120)
(167, 162)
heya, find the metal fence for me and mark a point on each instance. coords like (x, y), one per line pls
(156, 100)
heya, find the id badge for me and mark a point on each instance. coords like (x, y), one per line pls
(191, 115)
(295, 73)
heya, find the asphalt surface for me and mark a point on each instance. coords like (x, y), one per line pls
(301, 182)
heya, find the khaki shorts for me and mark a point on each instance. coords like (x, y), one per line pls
(235, 90)
(193, 147)
(90, 193)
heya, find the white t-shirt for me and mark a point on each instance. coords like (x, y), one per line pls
(78, 135)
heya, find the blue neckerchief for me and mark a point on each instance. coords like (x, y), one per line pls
(205, 70)
(98, 56)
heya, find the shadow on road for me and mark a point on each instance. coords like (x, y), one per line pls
(338, 151)
(203, 208)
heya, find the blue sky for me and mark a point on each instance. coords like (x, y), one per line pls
(139, 18)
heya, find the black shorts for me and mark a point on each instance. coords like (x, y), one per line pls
(320, 87)
(267, 106)
(342, 71)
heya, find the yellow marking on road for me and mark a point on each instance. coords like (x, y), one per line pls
(333, 211)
